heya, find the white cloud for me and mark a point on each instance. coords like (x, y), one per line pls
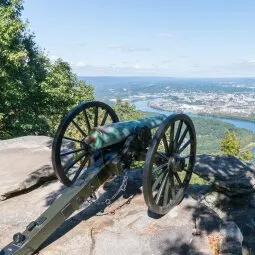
(115, 46)
(166, 61)
(165, 35)
(117, 69)
(80, 64)
(136, 66)
(183, 56)
(126, 48)
(82, 44)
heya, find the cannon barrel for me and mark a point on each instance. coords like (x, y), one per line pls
(103, 136)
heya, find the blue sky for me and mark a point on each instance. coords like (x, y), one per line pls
(196, 38)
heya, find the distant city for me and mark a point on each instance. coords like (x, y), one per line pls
(239, 105)
(233, 97)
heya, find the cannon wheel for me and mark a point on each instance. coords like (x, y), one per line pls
(70, 153)
(169, 163)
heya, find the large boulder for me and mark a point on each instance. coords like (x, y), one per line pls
(228, 173)
(24, 163)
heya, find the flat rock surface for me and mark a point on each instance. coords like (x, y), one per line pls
(228, 174)
(24, 163)
(26, 142)
(129, 230)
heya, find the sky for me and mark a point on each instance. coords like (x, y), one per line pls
(195, 38)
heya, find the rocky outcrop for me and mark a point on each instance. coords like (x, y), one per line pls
(28, 142)
(123, 228)
(227, 173)
(24, 163)
(238, 209)
(218, 216)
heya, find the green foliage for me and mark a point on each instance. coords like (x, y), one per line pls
(211, 132)
(230, 144)
(247, 156)
(62, 92)
(35, 92)
(127, 111)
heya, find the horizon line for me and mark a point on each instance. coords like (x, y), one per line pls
(158, 76)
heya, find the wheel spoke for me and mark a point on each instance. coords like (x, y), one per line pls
(77, 126)
(172, 186)
(184, 146)
(162, 186)
(182, 138)
(70, 152)
(162, 155)
(171, 145)
(165, 143)
(66, 169)
(80, 168)
(166, 192)
(104, 119)
(186, 156)
(158, 168)
(177, 136)
(72, 139)
(87, 120)
(178, 178)
(158, 180)
(96, 117)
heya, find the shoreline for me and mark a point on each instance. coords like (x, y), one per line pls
(248, 147)
(220, 116)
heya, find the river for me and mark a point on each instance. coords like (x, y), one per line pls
(143, 106)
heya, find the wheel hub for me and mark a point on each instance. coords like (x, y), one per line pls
(84, 145)
(176, 163)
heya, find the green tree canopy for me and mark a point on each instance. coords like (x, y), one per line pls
(34, 92)
(230, 144)
(127, 111)
(247, 155)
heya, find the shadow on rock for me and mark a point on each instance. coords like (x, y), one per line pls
(232, 194)
(109, 189)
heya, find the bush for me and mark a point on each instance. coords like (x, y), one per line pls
(230, 144)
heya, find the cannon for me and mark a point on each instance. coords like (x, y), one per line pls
(91, 145)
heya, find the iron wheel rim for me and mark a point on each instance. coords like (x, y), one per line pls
(83, 109)
(155, 202)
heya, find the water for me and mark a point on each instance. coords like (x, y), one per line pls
(142, 105)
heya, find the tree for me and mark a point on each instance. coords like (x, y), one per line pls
(247, 155)
(230, 144)
(62, 92)
(34, 92)
(127, 111)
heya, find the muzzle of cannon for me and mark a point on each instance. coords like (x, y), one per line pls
(91, 145)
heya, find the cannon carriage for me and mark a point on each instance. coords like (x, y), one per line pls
(91, 145)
